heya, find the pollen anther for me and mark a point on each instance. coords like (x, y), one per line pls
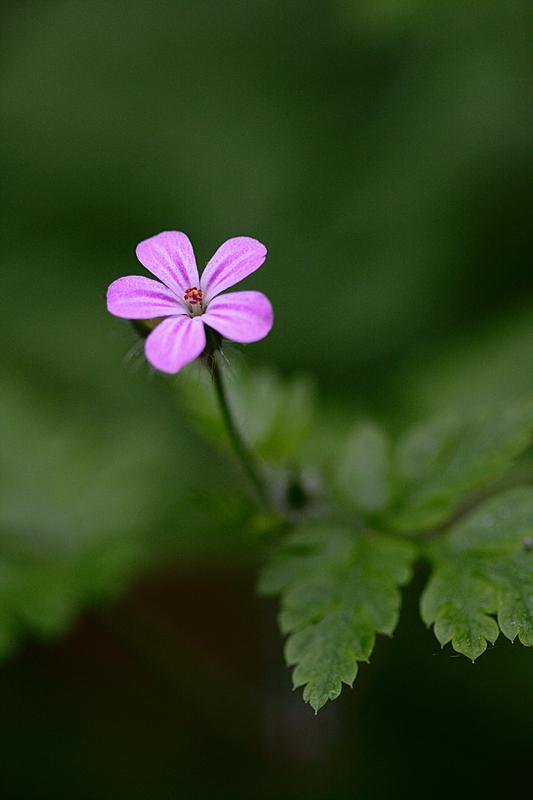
(193, 296)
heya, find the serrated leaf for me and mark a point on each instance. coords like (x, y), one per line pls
(459, 605)
(338, 589)
(514, 582)
(363, 474)
(439, 463)
(272, 413)
(483, 568)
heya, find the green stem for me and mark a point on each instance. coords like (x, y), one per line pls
(244, 454)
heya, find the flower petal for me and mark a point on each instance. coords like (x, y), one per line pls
(170, 257)
(175, 342)
(240, 316)
(234, 260)
(136, 297)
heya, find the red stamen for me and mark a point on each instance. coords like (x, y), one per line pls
(193, 296)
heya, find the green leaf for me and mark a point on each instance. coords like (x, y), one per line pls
(363, 473)
(459, 605)
(484, 568)
(498, 526)
(439, 463)
(514, 582)
(273, 414)
(338, 588)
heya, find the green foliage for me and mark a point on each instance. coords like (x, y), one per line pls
(338, 588)
(492, 364)
(363, 471)
(72, 514)
(85, 505)
(440, 462)
(384, 268)
(41, 595)
(484, 567)
(273, 414)
(460, 604)
(74, 534)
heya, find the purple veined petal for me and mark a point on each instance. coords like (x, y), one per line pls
(170, 257)
(136, 297)
(175, 342)
(233, 261)
(240, 316)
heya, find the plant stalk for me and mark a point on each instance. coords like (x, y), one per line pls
(243, 452)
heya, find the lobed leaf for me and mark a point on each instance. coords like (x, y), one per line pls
(483, 569)
(338, 588)
(439, 463)
(499, 525)
(459, 604)
(514, 582)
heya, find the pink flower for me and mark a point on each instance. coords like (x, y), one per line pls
(188, 302)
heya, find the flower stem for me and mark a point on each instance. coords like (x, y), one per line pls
(243, 452)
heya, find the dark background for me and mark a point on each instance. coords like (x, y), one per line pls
(382, 151)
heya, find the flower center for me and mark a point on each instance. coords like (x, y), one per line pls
(193, 297)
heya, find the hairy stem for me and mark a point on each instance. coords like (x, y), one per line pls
(243, 452)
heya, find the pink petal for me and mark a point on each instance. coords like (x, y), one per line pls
(170, 257)
(136, 297)
(175, 342)
(234, 260)
(240, 316)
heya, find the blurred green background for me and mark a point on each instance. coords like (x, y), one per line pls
(382, 151)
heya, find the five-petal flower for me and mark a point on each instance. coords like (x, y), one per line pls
(188, 302)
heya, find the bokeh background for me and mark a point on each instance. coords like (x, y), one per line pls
(382, 150)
